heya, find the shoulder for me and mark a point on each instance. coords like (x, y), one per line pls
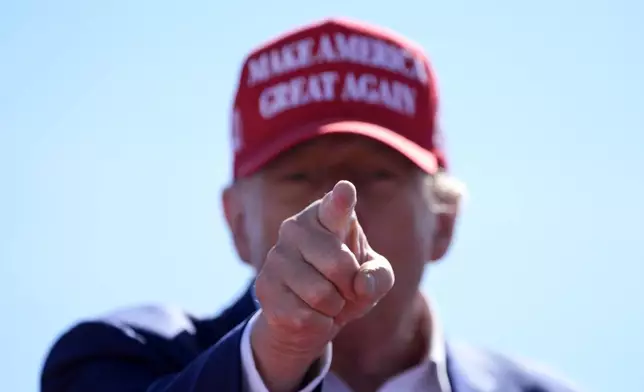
(139, 331)
(515, 372)
(143, 340)
(135, 347)
(164, 321)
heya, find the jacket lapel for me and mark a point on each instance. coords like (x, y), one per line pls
(468, 369)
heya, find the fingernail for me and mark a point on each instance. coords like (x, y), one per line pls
(370, 284)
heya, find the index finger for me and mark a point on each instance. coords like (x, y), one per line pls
(337, 209)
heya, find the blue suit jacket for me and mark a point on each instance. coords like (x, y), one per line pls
(162, 349)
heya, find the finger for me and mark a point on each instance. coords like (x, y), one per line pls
(371, 283)
(324, 252)
(337, 209)
(307, 282)
(357, 241)
(374, 279)
(288, 313)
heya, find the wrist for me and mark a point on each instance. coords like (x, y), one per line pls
(282, 366)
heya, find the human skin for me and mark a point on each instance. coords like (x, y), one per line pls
(312, 288)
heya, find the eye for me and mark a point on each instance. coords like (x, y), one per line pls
(383, 174)
(297, 177)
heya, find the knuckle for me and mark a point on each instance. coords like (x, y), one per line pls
(324, 295)
(302, 319)
(294, 320)
(280, 258)
(309, 211)
(340, 262)
(277, 254)
(321, 292)
(300, 330)
(263, 284)
(289, 229)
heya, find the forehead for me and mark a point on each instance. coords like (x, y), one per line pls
(340, 149)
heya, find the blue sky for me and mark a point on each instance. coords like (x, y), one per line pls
(114, 148)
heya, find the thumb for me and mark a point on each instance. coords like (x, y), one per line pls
(374, 279)
(337, 209)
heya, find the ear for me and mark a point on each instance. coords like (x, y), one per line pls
(234, 211)
(443, 232)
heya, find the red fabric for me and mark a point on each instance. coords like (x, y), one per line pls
(336, 76)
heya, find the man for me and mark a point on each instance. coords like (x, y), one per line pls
(341, 196)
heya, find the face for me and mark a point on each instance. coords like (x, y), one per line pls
(394, 201)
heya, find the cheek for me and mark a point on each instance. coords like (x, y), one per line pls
(256, 232)
(262, 225)
(402, 232)
(258, 245)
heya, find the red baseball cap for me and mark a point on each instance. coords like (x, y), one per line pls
(336, 76)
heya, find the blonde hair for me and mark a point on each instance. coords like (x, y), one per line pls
(445, 192)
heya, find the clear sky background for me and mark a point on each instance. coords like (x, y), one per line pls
(114, 148)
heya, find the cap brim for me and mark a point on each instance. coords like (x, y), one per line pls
(423, 158)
